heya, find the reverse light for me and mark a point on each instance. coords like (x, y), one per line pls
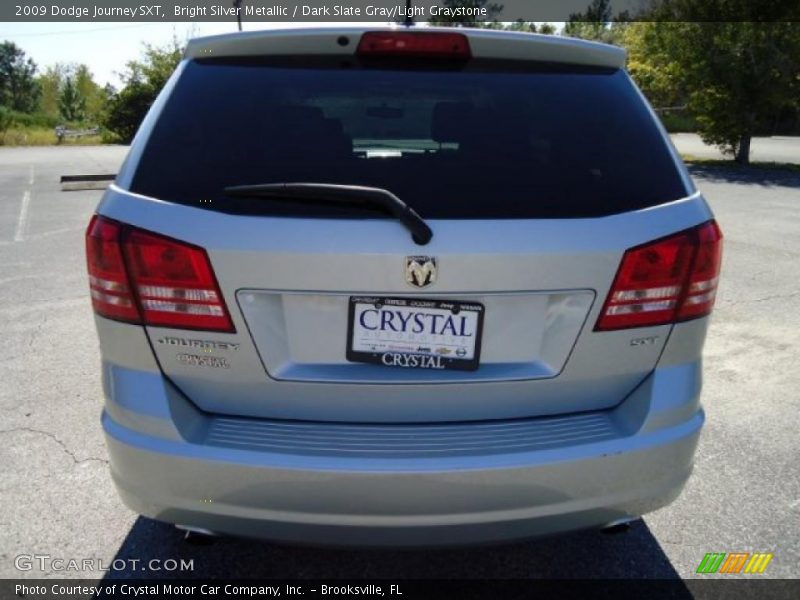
(668, 280)
(155, 280)
(414, 43)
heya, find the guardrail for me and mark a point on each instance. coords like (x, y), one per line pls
(62, 132)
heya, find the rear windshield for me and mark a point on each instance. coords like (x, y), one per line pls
(475, 142)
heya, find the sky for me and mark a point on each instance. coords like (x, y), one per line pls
(106, 47)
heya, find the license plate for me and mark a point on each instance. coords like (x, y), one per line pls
(415, 333)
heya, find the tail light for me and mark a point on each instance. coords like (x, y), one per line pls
(143, 277)
(108, 281)
(702, 285)
(669, 280)
(415, 44)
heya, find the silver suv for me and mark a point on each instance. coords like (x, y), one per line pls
(395, 286)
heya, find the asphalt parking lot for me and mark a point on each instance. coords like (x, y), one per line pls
(56, 493)
(779, 149)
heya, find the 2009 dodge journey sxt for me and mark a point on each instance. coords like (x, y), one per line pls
(401, 287)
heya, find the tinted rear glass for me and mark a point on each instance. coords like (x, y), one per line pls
(478, 141)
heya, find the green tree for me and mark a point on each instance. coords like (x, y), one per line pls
(142, 81)
(50, 82)
(492, 11)
(591, 24)
(91, 92)
(18, 87)
(736, 77)
(71, 104)
(5, 118)
(597, 23)
(523, 26)
(651, 64)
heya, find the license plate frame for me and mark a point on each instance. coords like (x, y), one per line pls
(430, 354)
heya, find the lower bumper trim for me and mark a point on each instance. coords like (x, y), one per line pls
(401, 502)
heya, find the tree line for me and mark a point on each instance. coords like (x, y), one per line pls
(60, 94)
(67, 94)
(732, 79)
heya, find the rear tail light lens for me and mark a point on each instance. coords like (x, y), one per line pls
(672, 279)
(166, 282)
(702, 287)
(108, 281)
(174, 283)
(416, 43)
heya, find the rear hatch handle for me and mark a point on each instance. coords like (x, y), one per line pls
(368, 197)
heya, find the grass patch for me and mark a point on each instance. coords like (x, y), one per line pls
(732, 164)
(41, 136)
(678, 122)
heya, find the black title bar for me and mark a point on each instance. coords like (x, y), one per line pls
(384, 11)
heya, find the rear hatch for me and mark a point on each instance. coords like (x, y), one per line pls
(533, 177)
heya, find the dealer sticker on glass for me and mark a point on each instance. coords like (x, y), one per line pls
(415, 333)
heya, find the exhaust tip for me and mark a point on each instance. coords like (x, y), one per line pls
(197, 536)
(618, 526)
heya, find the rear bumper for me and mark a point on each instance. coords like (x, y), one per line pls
(453, 484)
(415, 502)
(405, 485)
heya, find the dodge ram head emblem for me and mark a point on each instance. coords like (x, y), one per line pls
(420, 270)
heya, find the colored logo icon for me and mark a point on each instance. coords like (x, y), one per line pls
(734, 562)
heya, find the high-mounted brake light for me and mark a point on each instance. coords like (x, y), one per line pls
(414, 43)
(143, 277)
(672, 279)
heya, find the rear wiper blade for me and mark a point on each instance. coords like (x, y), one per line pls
(346, 194)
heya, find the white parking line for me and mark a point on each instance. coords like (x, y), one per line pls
(22, 221)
